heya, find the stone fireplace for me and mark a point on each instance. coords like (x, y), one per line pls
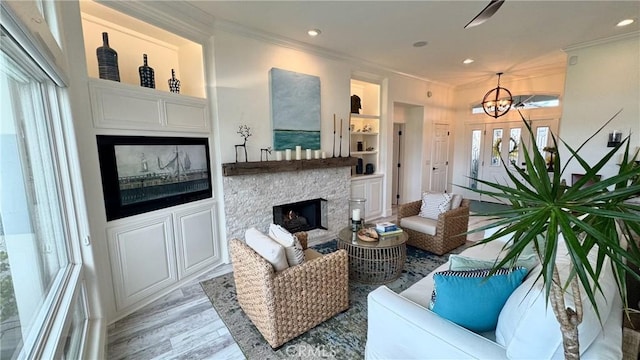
(249, 199)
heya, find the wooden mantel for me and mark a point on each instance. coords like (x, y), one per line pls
(265, 167)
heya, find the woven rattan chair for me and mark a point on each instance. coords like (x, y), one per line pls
(450, 229)
(285, 304)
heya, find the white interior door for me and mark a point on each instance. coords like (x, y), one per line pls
(440, 158)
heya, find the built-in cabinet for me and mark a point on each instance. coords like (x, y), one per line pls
(364, 136)
(369, 188)
(151, 253)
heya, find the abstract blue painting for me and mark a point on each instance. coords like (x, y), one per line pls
(295, 110)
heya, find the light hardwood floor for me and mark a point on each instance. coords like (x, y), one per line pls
(180, 325)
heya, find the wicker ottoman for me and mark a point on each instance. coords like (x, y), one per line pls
(377, 262)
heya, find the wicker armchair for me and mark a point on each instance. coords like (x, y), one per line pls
(450, 229)
(285, 304)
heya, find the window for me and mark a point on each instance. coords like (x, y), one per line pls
(476, 136)
(41, 300)
(526, 102)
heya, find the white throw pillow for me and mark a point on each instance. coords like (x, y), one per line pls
(434, 204)
(528, 328)
(267, 248)
(456, 201)
(292, 247)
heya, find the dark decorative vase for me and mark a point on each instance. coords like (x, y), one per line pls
(174, 84)
(369, 169)
(359, 167)
(107, 60)
(147, 77)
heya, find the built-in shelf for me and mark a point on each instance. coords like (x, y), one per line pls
(131, 38)
(364, 133)
(364, 116)
(364, 152)
(266, 167)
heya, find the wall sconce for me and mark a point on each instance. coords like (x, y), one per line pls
(497, 101)
(615, 138)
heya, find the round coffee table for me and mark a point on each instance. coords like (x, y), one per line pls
(376, 262)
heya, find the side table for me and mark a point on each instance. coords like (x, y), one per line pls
(375, 262)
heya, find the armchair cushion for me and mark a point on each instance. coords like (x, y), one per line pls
(456, 201)
(292, 247)
(434, 204)
(266, 247)
(419, 223)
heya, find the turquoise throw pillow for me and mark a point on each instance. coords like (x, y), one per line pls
(460, 262)
(471, 299)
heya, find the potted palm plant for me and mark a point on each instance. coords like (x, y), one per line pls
(595, 218)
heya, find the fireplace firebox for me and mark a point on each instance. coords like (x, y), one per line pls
(302, 216)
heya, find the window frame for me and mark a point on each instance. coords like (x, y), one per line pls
(52, 323)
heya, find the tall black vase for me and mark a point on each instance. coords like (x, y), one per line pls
(147, 77)
(107, 60)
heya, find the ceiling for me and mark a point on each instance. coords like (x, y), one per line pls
(522, 39)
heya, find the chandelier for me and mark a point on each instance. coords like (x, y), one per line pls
(497, 101)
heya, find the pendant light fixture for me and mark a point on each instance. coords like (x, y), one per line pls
(497, 101)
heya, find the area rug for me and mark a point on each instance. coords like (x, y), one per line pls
(341, 337)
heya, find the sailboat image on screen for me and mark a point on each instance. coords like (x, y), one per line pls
(178, 164)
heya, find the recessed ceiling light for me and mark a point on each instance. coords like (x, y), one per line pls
(468, 61)
(314, 32)
(625, 22)
(419, 43)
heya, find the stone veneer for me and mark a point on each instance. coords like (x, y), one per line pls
(249, 199)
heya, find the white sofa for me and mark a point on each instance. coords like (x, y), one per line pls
(400, 326)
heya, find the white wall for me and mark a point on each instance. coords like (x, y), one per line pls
(242, 67)
(605, 79)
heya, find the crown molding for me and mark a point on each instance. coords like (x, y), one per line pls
(586, 44)
(180, 18)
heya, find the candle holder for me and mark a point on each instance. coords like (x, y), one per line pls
(356, 213)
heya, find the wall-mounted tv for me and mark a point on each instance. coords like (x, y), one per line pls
(146, 173)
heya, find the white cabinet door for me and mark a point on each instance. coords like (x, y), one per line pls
(374, 198)
(188, 115)
(358, 189)
(369, 188)
(196, 243)
(142, 259)
(124, 108)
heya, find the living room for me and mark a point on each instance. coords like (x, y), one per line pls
(593, 81)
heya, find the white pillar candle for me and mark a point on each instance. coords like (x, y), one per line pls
(287, 154)
(355, 215)
(308, 154)
(316, 154)
(324, 155)
(278, 155)
(298, 152)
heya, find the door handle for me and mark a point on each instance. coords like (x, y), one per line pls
(435, 168)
